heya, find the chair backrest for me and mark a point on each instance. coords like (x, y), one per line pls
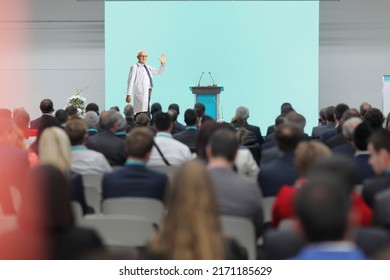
(93, 198)
(243, 231)
(150, 209)
(119, 230)
(77, 211)
(93, 180)
(268, 203)
(8, 223)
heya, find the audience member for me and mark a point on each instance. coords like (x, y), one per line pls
(128, 111)
(379, 149)
(134, 179)
(362, 155)
(155, 108)
(92, 107)
(47, 109)
(235, 194)
(62, 117)
(14, 163)
(287, 138)
(84, 161)
(46, 228)
(106, 142)
(375, 118)
(167, 151)
(191, 228)
(243, 112)
(91, 118)
(178, 127)
(338, 114)
(343, 168)
(323, 210)
(54, 149)
(190, 134)
(364, 107)
(306, 154)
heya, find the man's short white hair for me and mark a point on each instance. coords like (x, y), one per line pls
(243, 112)
(140, 52)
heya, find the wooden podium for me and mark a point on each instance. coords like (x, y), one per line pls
(209, 96)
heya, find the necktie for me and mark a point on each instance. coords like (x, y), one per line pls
(150, 77)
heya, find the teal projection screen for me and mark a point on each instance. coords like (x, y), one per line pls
(264, 53)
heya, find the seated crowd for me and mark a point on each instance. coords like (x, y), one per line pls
(319, 196)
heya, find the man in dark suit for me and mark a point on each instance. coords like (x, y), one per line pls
(134, 179)
(190, 135)
(379, 148)
(281, 171)
(47, 109)
(330, 123)
(105, 142)
(338, 114)
(244, 113)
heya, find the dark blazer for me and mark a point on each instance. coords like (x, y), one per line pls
(364, 169)
(345, 149)
(77, 191)
(112, 147)
(373, 186)
(188, 137)
(38, 122)
(134, 181)
(256, 130)
(329, 133)
(318, 130)
(276, 173)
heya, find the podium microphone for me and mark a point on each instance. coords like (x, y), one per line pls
(214, 84)
(200, 79)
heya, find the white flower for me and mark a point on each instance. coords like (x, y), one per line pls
(77, 101)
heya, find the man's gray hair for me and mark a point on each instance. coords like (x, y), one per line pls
(243, 112)
(91, 118)
(128, 111)
(349, 127)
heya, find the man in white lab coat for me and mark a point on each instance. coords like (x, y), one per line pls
(141, 81)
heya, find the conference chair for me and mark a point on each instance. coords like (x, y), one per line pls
(93, 180)
(120, 230)
(268, 203)
(150, 209)
(93, 197)
(243, 231)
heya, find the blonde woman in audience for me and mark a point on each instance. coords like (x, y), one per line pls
(55, 149)
(191, 229)
(306, 154)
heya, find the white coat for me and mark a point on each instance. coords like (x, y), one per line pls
(139, 83)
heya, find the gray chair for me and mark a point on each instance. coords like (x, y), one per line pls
(243, 231)
(268, 203)
(93, 180)
(93, 197)
(150, 209)
(120, 230)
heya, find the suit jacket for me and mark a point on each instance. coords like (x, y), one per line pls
(318, 130)
(373, 186)
(276, 173)
(364, 169)
(38, 122)
(134, 181)
(345, 149)
(112, 147)
(329, 133)
(188, 137)
(237, 195)
(256, 131)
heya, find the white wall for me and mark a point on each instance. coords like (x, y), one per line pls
(60, 47)
(55, 46)
(354, 51)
